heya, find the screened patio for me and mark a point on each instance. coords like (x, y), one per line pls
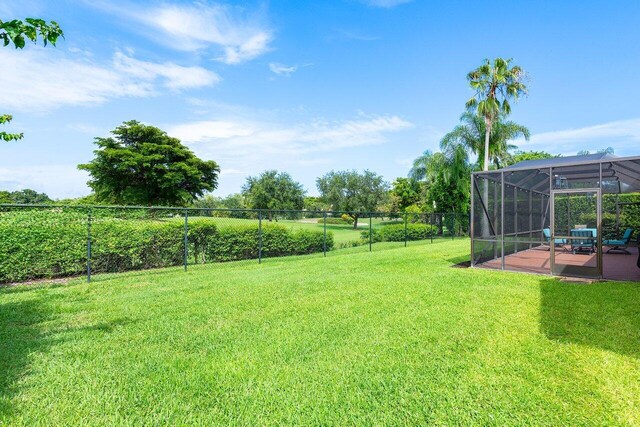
(570, 216)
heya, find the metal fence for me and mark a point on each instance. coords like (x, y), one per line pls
(59, 241)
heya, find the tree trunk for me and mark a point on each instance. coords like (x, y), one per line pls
(484, 224)
(355, 222)
(487, 135)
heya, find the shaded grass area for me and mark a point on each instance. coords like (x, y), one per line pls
(392, 337)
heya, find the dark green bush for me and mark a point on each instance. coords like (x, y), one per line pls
(337, 221)
(396, 232)
(241, 242)
(53, 243)
(124, 245)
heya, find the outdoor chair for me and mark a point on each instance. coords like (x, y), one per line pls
(621, 245)
(547, 238)
(583, 241)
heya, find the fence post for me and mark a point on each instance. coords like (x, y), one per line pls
(453, 224)
(405, 229)
(259, 236)
(89, 246)
(431, 227)
(324, 243)
(370, 232)
(186, 239)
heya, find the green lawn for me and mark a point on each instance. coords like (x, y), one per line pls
(392, 337)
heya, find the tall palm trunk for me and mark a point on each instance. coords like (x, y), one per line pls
(487, 136)
(484, 225)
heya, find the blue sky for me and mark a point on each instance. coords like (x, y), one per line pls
(309, 86)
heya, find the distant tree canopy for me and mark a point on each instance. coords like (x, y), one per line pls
(79, 201)
(608, 150)
(15, 33)
(232, 201)
(315, 204)
(208, 201)
(26, 196)
(273, 191)
(521, 156)
(142, 165)
(353, 192)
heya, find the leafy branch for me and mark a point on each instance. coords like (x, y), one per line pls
(17, 32)
(6, 118)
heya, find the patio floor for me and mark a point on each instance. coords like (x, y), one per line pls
(538, 260)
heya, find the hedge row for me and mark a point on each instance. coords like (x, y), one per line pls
(230, 243)
(396, 232)
(47, 244)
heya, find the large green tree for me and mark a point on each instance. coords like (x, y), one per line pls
(142, 165)
(352, 192)
(273, 191)
(495, 84)
(471, 133)
(404, 193)
(16, 32)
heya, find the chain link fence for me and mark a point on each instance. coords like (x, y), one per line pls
(46, 242)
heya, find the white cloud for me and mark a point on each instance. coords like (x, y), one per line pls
(282, 70)
(303, 138)
(210, 130)
(59, 181)
(387, 4)
(622, 135)
(40, 79)
(245, 147)
(236, 35)
(85, 128)
(175, 77)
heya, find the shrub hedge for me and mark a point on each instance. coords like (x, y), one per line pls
(53, 243)
(396, 232)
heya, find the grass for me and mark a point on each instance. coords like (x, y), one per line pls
(392, 337)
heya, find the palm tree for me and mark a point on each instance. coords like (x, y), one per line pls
(446, 177)
(449, 165)
(495, 84)
(470, 135)
(427, 166)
